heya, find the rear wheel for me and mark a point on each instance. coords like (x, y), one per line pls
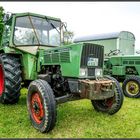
(113, 104)
(131, 87)
(10, 79)
(41, 105)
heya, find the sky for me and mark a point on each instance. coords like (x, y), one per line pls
(87, 18)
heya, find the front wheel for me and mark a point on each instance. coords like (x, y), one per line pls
(41, 105)
(131, 87)
(111, 105)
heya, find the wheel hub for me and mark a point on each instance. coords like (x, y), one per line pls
(37, 108)
(132, 88)
(109, 102)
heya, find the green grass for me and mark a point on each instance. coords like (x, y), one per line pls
(75, 119)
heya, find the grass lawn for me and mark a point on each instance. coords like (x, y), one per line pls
(75, 119)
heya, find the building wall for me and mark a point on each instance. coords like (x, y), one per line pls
(127, 43)
(109, 44)
(124, 41)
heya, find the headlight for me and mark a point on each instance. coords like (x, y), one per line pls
(98, 72)
(83, 72)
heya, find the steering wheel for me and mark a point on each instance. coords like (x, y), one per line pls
(114, 52)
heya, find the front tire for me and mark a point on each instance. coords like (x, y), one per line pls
(41, 105)
(10, 79)
(131, 87)
(113, 104)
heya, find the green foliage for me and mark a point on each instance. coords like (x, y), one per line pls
(1, 13)
(1, 22)
(75, 119)
(68, 36)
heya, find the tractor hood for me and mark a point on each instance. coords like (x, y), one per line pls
(81, 60)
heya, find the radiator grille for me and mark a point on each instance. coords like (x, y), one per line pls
(57, 57)
(91, 71)
(65, 57)
(47, 58)
(94, 50)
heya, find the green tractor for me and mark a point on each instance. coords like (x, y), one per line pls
(32, 54)
(125, 69)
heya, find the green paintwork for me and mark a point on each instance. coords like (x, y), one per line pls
(120, 64)
(118, 70)
(29, 66)
(68, 57)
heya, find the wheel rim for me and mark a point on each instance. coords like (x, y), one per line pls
(106, 104)
(132, 88)
(109, 102)
(37, 108)
(1, 80)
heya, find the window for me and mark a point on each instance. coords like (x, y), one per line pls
(31, 30)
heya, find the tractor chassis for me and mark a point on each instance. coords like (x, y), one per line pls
(88, 89)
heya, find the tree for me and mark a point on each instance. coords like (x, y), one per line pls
(1, 22)
(68, 36)
(1, 13)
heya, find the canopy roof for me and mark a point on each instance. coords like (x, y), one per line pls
(101, 36)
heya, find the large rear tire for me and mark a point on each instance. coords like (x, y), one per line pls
(41, 105)
(10, 79)
(131, 87)
(113, 104)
